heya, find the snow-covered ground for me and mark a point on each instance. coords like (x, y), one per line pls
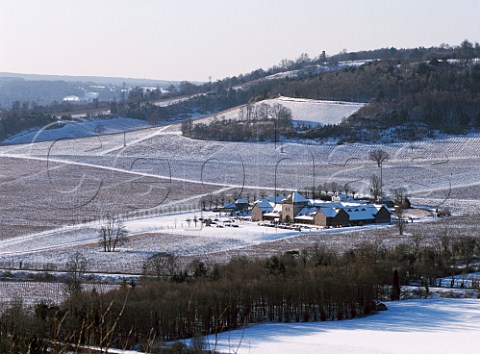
(172, 233)
(425, 168)
(467, 281)
(441, 172)
(304, 111)
(436, 173)
(428, 169)
(70, 129)
(438, 326)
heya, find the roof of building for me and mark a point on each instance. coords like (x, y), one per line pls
(307, 213)
(241, 201)
(264, 205)
(356, 211)
(276, 210)
(330, 212)
(363, 212)
(296, 197)
(277, 199)
(229, 206)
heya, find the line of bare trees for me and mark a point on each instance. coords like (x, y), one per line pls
(255, 123)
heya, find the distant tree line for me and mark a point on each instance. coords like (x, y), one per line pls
(307, 67)
(22, 116)
(226, 93)
(42, 92)
(407, 101)
(135, 106)
(411, 93)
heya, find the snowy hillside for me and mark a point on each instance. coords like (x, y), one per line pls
(316, 111)
(171, 171)
(77, 129)
(304, 111)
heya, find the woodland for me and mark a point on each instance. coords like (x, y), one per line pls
(173, 302)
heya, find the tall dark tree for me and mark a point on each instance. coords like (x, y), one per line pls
(375, 186)
(395, 294)
(76, 266)
(379, 156)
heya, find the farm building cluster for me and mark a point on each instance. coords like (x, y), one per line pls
(295, 208)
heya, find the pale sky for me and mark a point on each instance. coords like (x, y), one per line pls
(195, 39)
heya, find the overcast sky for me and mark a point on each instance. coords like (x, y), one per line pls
(195, 39)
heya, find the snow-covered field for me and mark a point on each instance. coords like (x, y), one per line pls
(75, 129)
(56, 194)
(444, 326)
(318, 111)
(304, 111)
(426, 169)
(156, 171)
(172, 233)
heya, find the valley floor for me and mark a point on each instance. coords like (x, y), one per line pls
(55, 196)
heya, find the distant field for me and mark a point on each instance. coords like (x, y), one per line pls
(304, 111)
(56, 194)
(74, 129)
(68, 194)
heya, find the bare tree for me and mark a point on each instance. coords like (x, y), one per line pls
(223, 198)
(263, 111)
(112, 234)
(326, 187)
(75, 266)
(161, 265)
(99, 129)
(399, 194)
(379, 156)
(250, 110)
(375, 186)
(334, 187)
(153, 120)
(210, 200)
(203, 203)
(395, 293)
(280, 113)
(401, 222)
